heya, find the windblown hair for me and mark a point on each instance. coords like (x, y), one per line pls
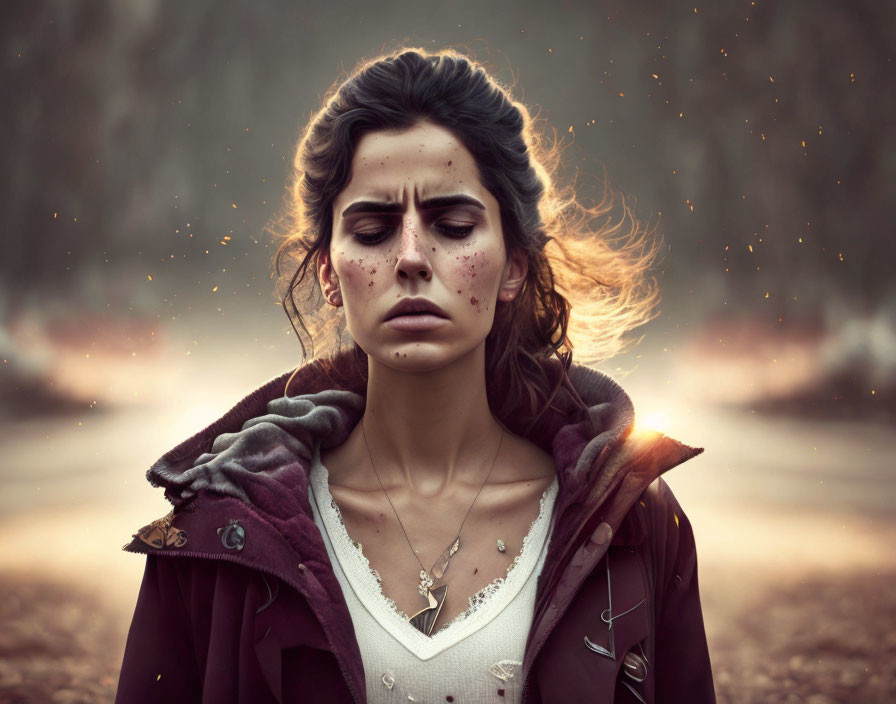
(587, 283)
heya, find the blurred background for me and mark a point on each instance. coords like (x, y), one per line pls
(145, 148)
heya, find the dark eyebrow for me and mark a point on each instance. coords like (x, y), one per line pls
(437, 203)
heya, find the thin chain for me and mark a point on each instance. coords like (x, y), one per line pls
(500, 442)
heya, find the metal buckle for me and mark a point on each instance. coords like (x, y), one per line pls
(607, 617)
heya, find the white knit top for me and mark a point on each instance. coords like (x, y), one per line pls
(477, 657)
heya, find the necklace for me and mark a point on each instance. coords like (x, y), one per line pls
(425, 619)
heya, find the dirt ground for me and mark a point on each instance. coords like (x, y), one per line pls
(57, 643)
(819, 640)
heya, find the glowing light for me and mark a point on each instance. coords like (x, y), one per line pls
(652, 420)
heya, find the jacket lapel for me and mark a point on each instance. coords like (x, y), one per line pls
(623, 475)
(208, 527)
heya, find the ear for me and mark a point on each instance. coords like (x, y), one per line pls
(329, 280)
(515, 271)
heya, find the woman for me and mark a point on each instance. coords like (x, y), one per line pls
(449, 510)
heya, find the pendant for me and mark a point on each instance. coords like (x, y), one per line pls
(425, 584)
(442, 563)
(425, 619)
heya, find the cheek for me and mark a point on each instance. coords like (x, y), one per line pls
(473, 275)
(358, 273)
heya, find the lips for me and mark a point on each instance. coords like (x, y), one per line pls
(412, 306)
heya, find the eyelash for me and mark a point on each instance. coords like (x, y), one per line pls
(451, 231)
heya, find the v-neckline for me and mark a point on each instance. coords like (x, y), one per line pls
(366, 583)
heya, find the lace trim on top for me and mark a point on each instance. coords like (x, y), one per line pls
(345, 547)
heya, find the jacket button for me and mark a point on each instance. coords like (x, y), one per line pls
(602, 534)
(233, 536)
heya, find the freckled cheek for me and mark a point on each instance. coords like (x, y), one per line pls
(359, 274)
(475, 277)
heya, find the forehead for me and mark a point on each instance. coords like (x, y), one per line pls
(419, 162)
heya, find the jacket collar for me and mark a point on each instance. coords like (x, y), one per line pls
(260, 451)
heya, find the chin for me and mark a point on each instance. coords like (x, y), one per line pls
(418, 356)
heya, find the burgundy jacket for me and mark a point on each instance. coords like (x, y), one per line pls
(239, 601)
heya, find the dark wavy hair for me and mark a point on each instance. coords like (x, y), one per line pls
(578, 284)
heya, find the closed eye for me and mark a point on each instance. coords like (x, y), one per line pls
(376, 236)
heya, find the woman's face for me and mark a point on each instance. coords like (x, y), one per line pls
(414, 222)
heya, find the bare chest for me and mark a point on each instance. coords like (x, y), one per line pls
(399, 546)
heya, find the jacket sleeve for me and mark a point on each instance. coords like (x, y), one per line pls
(683, 670)
(159, 662)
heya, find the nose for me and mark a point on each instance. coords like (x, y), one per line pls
(412, 262)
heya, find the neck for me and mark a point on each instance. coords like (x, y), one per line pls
(427, 430)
